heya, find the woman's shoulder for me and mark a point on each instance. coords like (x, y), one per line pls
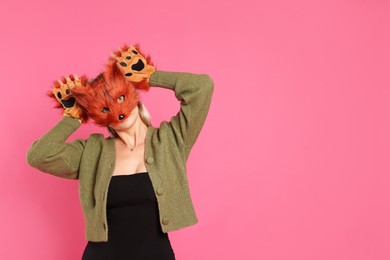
(98, 138)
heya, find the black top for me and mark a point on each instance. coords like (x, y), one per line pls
(134, 230)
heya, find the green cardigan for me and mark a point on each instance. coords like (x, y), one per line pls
(167, 148)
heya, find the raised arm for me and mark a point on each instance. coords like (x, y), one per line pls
(194, 91)
(52, 154)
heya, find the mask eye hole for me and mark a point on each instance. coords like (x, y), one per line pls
(105, 109)
(121, 98)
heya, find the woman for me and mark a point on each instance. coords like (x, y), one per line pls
(133, 186)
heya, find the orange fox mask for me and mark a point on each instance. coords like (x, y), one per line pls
(107, 101)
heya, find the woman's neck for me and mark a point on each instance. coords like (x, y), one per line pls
(134, 135)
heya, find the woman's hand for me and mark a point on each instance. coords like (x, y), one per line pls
(62, 92)
(133, 65)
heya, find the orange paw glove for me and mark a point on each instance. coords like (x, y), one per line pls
(133, 65)
(62, 92)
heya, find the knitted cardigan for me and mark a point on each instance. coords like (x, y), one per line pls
(167, 148)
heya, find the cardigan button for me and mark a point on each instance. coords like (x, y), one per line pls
(165, 221)
(159, 191)
(150, 160)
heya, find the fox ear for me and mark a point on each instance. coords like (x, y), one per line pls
(82, 91)
(82, 84)
(142, 85)
(84, 80)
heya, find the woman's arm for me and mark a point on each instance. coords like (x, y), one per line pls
(52, 154)
(194, 91)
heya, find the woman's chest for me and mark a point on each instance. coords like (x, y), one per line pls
(129, 161)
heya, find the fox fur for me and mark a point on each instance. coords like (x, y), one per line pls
(98, 97)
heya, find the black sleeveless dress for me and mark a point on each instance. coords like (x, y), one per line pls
(134, 231)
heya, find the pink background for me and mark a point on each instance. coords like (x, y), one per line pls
(293, 160)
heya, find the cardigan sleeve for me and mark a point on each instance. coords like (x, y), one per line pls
(52, 154)
(194, 91)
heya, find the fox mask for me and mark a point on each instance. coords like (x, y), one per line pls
(106, 100)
